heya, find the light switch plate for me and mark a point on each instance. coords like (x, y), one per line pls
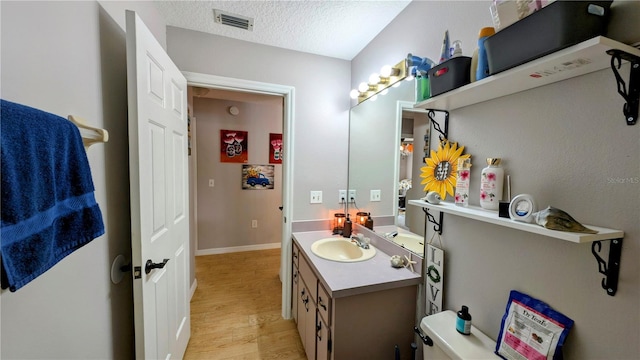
(375, 195)
(316, 197)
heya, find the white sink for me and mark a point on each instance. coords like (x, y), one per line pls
(342, 250)
(410, 242)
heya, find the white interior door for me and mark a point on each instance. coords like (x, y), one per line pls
(157, 93)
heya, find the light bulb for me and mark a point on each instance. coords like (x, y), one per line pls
(363, 87)
(386, 71)
(374, 98)
(384, 92)
(374, 79)
(396, 84)
(354, 94)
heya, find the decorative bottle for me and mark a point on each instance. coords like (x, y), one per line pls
(491, 182)
(462, 182)
(463, 322)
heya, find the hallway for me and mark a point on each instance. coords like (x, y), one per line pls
(236, 309)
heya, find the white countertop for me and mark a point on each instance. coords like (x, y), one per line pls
(346, 279)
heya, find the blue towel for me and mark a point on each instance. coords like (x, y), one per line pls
(48, 204)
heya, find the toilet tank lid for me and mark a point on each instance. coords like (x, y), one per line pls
(441, 328)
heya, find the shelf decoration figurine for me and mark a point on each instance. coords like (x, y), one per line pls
(440, 173)
(556, 219)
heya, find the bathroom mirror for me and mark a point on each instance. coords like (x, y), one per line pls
(377, 164)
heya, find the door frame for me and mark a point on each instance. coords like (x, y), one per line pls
(288, 93)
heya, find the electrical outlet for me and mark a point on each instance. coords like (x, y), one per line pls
(254, 224)
(211, 182)
(352, 195)
(375, 195)
(342, 196)
(316, 197)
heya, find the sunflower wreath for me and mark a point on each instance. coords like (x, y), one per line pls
(440, 173)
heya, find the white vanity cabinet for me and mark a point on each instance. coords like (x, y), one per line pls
(313, 331)
(362, 324)
(294, 282)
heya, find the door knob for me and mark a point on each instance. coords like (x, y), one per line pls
(150, 265)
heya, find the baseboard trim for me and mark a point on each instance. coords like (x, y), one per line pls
(194, 285)
(237, 249)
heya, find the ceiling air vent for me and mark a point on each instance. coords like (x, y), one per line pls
(235, 20)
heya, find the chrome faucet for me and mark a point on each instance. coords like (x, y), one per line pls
(391, 235)
(360, 241)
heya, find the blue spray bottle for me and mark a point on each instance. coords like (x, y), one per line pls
(483, 64)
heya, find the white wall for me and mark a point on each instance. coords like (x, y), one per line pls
(69, 58)
(567, 144)
(321, 105)
(225, 211)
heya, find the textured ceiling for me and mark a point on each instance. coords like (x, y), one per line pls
(339, 29)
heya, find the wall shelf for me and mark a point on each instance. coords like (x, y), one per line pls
(583, 58)
(580, 59)
(491, 217)
(610, 269)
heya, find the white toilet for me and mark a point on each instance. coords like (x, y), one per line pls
(450, 344)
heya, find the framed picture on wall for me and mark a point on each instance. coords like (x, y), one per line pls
(275, 149)
(258, 177)
(233, 146)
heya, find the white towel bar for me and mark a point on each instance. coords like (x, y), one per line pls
(98, 136)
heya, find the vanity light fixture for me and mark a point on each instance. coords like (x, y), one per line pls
(388, 71)
(378, 83)
(338, 223)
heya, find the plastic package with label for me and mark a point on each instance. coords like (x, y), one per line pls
(531, 329)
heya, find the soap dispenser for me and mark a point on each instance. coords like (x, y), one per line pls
(456, 49)
(369, 222)
(346, 231)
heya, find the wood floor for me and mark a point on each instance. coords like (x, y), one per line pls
(236, 309)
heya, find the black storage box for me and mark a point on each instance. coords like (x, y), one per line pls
(449, 75)
(559, 25)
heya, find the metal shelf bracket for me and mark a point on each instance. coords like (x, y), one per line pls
(611, 269)
(437, 227)
(444, 134)
(632, 97)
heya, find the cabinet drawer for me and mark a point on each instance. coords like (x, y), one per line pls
(324, 304)
(304, 271)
